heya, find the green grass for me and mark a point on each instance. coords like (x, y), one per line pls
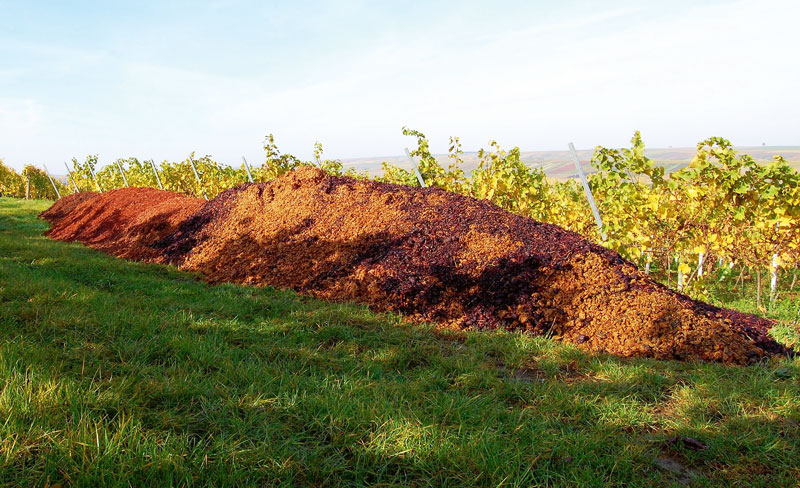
(785, 310)
(115, 373)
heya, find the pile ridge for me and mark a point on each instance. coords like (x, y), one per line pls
(427, 253)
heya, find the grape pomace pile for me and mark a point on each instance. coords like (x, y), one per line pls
(427, 253)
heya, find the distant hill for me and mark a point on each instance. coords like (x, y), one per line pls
(558, 164)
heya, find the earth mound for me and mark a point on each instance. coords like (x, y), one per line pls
(429, 254)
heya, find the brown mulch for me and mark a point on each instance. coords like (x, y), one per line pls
(429, 254)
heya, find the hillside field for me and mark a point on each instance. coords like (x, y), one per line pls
(117, 373)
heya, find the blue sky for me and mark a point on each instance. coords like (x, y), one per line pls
(162, 79)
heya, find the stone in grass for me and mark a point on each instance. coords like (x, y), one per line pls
(687, 442)
(783, 373)
(683, 474)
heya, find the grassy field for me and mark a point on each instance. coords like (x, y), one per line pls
(116, 373)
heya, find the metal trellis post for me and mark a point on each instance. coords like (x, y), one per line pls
(94, 177)
(416, 171)
(588, 191)
(69, 176)
(155, 170)
(701, 259)
(52, 182)
(124, 179)
(247, 168)
(773, 282)
(197, 175)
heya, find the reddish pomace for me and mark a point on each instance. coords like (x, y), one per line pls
(429, 254)
(124, 222)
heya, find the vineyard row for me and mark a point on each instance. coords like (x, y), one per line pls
(723, 210)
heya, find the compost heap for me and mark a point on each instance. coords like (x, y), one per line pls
(427, 253)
